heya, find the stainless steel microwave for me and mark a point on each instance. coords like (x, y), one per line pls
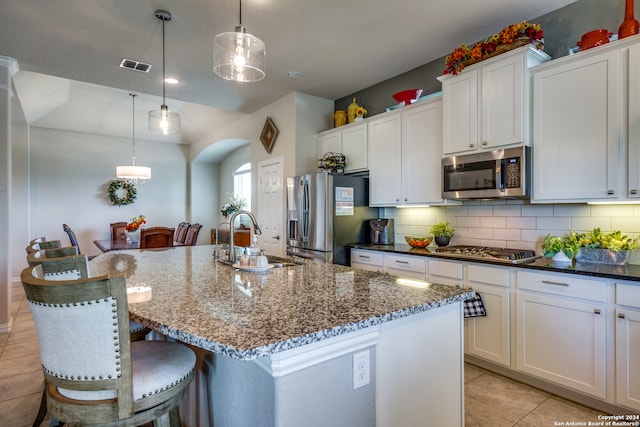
(493, 174)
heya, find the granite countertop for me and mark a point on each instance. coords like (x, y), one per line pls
(202, 302)
(630, 272)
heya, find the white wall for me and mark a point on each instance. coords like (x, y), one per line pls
(70, 173)
(515, 224)
(204, 199)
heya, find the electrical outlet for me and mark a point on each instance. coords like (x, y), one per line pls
(361, 369)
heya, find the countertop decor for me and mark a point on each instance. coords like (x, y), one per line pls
(511, 37)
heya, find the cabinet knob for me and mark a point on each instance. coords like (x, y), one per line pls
(620, 315)
(485, 143)
(277, 237)
(610, 192)
(633, 192)
(471, 146)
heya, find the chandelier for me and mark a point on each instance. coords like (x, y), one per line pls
(133, 174)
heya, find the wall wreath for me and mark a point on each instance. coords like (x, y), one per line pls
(121, 192)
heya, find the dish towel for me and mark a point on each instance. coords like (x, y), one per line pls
(474, 307)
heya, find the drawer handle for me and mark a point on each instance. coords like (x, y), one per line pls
(485, 143)
(596, 311)
(549, 282)
(401, 262)
(634, 192)
(620, 315)
(363, 256)
(610, 192)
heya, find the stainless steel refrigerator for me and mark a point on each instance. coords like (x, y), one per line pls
(325, 212)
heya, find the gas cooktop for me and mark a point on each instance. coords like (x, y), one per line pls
(508, 255)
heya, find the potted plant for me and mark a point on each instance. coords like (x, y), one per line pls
(605, 248)
(443, 232)
(561, 249)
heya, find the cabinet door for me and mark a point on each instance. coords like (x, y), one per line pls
(502, 109)
(488, 336)
(627, 351)
(446, 272)
(354, 148)
(562, 340)
(329, 143)
(422, 154)
(367, 260)
(576, 113)
(460, 116)
(634, 122)
(385, 185)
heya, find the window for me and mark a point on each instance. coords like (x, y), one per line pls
(242, 183)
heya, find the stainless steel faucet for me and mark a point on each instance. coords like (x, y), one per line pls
(256, 229)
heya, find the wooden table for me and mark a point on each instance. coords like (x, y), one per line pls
(115, 245)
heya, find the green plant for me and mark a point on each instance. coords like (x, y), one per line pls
(442, 229)
(567, 244)
(613, 241)
(235, 204)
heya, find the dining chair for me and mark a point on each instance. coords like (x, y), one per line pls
(38, 257)
(156, 237)
(72, 236)
(118, 231)
(192, 234)
(106, 379)
(181, 233)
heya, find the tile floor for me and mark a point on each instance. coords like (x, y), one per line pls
(490, 400)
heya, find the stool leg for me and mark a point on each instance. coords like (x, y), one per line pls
(42, 411)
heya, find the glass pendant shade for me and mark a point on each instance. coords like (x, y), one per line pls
(239, 56)
(163, 121)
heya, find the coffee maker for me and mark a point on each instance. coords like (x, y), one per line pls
(381, 231)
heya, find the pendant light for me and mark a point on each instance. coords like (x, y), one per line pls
(163, 121)
(133, 174)
(239, 56)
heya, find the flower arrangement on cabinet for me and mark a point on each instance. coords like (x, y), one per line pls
(136, 222)
(510, 37)
(360, 113)
(233, 205)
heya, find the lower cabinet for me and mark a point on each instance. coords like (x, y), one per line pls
(628, 345)
(560, 330)
(446, 272)
(367, 260)
(407, 266)
(488, 336)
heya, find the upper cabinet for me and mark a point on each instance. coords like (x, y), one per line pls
(487, 105)
(405, 151)
(586, 128)
(350, 140)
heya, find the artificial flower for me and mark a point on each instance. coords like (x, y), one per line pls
(135, 223)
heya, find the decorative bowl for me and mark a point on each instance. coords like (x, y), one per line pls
(594, 38)
(407, 96)
(418, 241)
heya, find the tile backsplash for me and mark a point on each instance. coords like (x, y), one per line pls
(514, 223)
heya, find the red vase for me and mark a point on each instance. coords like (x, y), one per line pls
(630, 25)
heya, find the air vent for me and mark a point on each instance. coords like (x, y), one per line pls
(135, 65)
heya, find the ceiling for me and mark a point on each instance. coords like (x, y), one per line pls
(69, 52)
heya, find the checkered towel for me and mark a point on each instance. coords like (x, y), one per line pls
(473, 307)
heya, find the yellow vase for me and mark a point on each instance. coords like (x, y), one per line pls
(340, 118)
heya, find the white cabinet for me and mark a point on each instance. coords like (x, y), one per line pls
(487, 105)
(576, 128)
(405, 151)
(407, 266)
(367, 260)
(628, 345)
(385, 161)
(633, 165)
(350, 140)
(446, 272)
(560, 330)
(489, 336)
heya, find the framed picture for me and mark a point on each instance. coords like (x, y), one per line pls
(269, 134)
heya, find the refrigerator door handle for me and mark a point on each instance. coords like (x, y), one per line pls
(305, 213)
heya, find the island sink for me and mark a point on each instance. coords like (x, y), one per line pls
(276, 261)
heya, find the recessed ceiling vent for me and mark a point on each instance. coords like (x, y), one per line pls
(135, 65)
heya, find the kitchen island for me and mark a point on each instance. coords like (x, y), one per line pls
(314, 344)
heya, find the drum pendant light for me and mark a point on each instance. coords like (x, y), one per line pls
(133, 174)
(163, 121)
(239, 56)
